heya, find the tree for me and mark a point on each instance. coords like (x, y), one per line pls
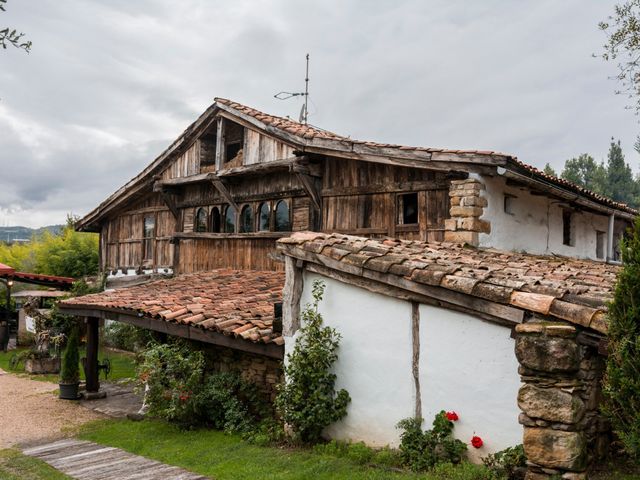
(585, 171)
(623, 46)
(621, 385)
(10, 36)
(548, 169)
(620, 185)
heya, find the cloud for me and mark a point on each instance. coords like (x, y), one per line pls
(109, 85)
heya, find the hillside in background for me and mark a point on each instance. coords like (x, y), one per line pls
(11, 234)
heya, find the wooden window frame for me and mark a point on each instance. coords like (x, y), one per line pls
(259, 214)
(217, 208)
(241, 220)
(568, 230)
(399, 213)
(275, 214)
(235, 226)
(148, 243)
(206, 219)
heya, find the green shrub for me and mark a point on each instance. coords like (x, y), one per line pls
(125, 337)
(360, 453)
(308, 401)
(181, 391)
(70, 369)
(621, 386)
(422, 450)
(388, 457)
(508, 464)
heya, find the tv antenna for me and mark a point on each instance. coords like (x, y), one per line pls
(304, 112)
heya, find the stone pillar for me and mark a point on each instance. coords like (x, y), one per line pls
(563, 430)
(467, 206)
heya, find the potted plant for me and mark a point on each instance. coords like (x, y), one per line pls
(70, 371)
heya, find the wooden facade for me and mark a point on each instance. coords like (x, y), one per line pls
(224, 199)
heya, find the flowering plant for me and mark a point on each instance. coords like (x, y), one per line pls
(452, 416)
(476, 441)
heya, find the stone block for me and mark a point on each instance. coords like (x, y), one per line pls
(465, 211)
(450, 224)
(474, 201)
(455, 200)
(555, 449)
(536, 476)
(461, 237)
(550, 404)
(476, 225)
(547, 354)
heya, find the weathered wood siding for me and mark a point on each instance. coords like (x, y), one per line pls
(237, 253)
(186, 164)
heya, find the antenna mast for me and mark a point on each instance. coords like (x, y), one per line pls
(304, 112)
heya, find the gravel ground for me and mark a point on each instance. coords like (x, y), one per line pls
(29, 411)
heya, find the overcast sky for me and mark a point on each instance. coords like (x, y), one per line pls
(109, 84)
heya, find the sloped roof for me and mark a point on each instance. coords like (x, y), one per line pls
(309, 137)
(237, 303)
(573, 290)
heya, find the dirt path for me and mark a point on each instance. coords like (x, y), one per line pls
(29, 411)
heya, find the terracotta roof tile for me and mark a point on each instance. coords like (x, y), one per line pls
(567, 288)
(232, 302)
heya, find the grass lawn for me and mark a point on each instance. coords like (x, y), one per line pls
(222, 456)
(15, 466)
(122, 365)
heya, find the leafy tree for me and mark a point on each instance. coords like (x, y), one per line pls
(548, 169)
(622, 379)
(308, 401)
(583, 170)
(69, 254)
(10, 36)
(621, 185)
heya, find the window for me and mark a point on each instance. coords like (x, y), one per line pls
(283, 224)
(215, 220)
(200, 224)
(149, 234)
(408, 209)
(509, 204)
(246, 219)
(567, 234)
(230, 220)
(264, 217)
(600, 241)
(234, 139)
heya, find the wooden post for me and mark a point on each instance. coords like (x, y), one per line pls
(291, 294)
(220, 144)
(610, 249)
(93, 383)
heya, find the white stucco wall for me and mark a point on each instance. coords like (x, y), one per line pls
(466, 364)
(469, 366)
(374, 359)
(536, 225)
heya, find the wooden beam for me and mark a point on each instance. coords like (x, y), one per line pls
(191, 332)
(309, 184)
(291, 295)
(415, 360)
(220, 144)
(222, 188)
(161, 185)
(390, 187)
(224, 236)
(93, 329)
(258, 168)
(169, 201)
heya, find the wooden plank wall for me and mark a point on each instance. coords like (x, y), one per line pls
(186, 164)
(259, 148)
(208, 254)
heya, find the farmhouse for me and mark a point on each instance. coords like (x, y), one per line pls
(421, 251)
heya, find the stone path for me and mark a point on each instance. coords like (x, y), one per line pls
(86, 460)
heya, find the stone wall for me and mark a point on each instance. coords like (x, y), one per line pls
(563, 430)
(265, 372)
(467, 206)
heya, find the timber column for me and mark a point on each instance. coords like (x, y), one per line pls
(91, 372)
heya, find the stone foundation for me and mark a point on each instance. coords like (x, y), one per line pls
(263, 371)
(563, 429)
(467, 206)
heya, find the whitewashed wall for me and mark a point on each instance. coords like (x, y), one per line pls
(466, 365)
(536, 225)
(469, 366)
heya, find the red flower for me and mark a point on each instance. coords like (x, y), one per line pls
(476, 441)
(452, 416)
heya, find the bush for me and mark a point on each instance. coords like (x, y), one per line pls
(508, 464)
(308, 401)
(125, 337)
(621, 386)
(181, 391)
(422, 450)
(70, 369)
